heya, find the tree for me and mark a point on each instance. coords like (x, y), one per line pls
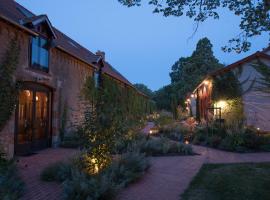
(162, 97)
(255, 15)
(188, 72)
(144, 89)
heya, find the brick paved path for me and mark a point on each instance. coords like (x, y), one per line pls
(30, 169)
(168, 177)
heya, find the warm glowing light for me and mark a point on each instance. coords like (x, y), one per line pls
(192, 96)
(28, 93)
(221, 104)
(206, 82)
(258, 129)
(151, 132)
(186, 142)
(188, 100)
(37, 98)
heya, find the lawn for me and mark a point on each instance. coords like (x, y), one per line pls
(230, 182)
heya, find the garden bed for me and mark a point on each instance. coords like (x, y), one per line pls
(230, 182)
(11, 186)
(243, 140)
(79, 184)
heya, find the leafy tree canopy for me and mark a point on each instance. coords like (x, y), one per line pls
(255, 15)
(144, 89)
(188, 72)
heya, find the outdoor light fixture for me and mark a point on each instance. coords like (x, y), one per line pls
(186, 142)
(151, 132)
(222, 104)
(28, 93)
(206, 82)
(258, 129)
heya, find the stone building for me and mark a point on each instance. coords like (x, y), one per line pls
(255, 96)
(52, 69)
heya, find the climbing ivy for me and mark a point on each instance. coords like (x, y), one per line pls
(8, 88)
(226, 87)
(110, 110)
(264, 81)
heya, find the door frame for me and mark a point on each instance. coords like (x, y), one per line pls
(34, 87)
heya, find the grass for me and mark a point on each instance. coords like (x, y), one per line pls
(230, 182)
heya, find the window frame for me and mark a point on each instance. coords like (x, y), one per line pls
(31, 55)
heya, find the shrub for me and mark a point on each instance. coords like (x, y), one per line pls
(82, 186)
(103, 186)
(174, 131)
(164, 118)
(162, 146)
(11, 186)
(231, 139)
(127, 169)
(59, 172)
(215, 141)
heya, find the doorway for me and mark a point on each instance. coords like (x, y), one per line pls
(33, 119)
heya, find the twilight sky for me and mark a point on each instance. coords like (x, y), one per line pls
(141, 45)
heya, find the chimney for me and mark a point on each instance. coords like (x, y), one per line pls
(101, 54)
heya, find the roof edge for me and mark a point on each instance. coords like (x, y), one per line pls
(18, 25)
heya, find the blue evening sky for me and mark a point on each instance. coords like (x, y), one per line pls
(141, 45)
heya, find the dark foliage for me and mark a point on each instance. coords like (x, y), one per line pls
(144, 89)
(255, 17)
(11, 186)
(8, 89)
(239, 140)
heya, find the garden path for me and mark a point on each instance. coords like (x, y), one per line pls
(168, 177)
(31, 167)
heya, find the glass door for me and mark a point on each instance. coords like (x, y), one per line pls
(33, 120)
(41, 120)
(25, 120)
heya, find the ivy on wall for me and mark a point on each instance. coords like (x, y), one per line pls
(110, 110)
(264, 81)
(226, 87)
(8, 88)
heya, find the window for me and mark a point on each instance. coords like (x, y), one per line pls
(96, 79)
(40, 54)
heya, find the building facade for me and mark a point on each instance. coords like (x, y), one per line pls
(255, 96)
(51, 71)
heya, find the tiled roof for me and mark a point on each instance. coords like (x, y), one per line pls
(17, 13)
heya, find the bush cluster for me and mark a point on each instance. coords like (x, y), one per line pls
(11, 186)
(175, 131)
(153, 146)
(80, 185)
(237, 139)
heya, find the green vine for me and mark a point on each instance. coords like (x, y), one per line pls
(8, 88)
(226, 87)
(264, 81)
(110, 110)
